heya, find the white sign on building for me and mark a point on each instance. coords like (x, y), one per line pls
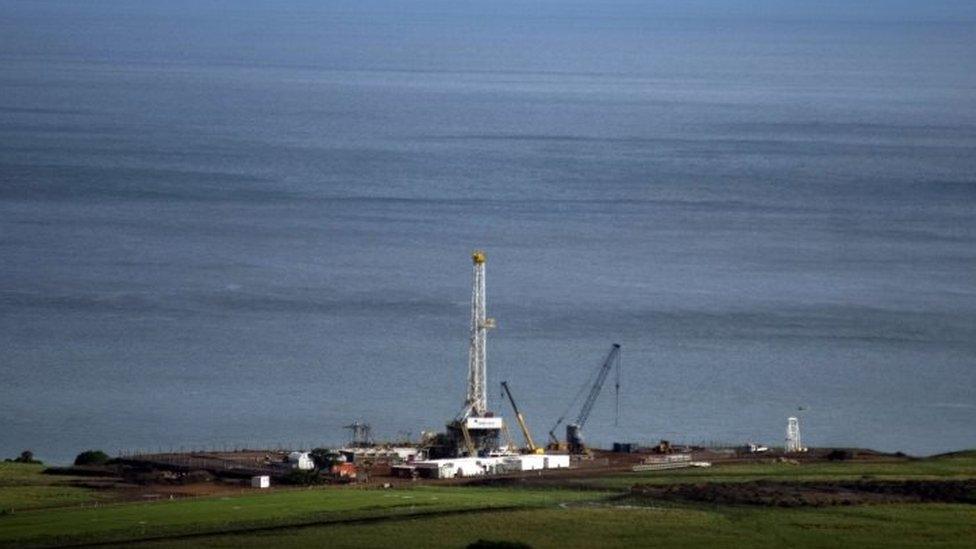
(483, 423)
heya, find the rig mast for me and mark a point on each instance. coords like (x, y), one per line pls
(476, 403)
(475, 430)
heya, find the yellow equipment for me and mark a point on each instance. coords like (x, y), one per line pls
(521, 421)
(472, 452)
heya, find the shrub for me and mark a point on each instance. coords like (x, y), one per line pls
(26, 457)
(301, 477)
(840, 455)
(92, 457)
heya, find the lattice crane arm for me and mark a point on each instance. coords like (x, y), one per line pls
(601, 377)
(521, 419)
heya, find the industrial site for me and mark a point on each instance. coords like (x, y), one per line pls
(485, 481)
(481, 441)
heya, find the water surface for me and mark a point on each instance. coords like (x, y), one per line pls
(227, 224)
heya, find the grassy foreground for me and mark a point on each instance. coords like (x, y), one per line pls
(958, 466)
(22, 487)
(608, 527)
(125, 522)
(453, 516)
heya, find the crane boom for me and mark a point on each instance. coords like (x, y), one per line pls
(574, 437)
(598, 385)
(518, 417)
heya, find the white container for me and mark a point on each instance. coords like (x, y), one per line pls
(261, 482)
(532, 462)
(556, 461)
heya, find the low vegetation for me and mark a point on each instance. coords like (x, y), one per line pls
(559, 514)
(92, 457)
(23, 487)
(810, 493)
(257, 511)
(298, 477)
(959, 466)
(607, 526)
(25, 457)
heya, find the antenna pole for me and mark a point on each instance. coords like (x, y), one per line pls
(616, 417)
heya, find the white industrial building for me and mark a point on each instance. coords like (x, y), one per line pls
(535, 462)
(403, 453)
(494, 465)
(456, 467)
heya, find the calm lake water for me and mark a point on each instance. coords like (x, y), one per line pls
(234, 223)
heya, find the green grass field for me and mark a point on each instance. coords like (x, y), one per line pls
(22, 486)
(878, 526)
(951, 467)
(453, 516)
(121, 522)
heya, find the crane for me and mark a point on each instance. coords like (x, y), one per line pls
(521, 421)
(574, 437)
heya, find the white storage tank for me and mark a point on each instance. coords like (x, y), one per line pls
(301, 460)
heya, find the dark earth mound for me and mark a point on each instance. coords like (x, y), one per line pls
(816, 494)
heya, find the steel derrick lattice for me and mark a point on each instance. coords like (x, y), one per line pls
(476, 403)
